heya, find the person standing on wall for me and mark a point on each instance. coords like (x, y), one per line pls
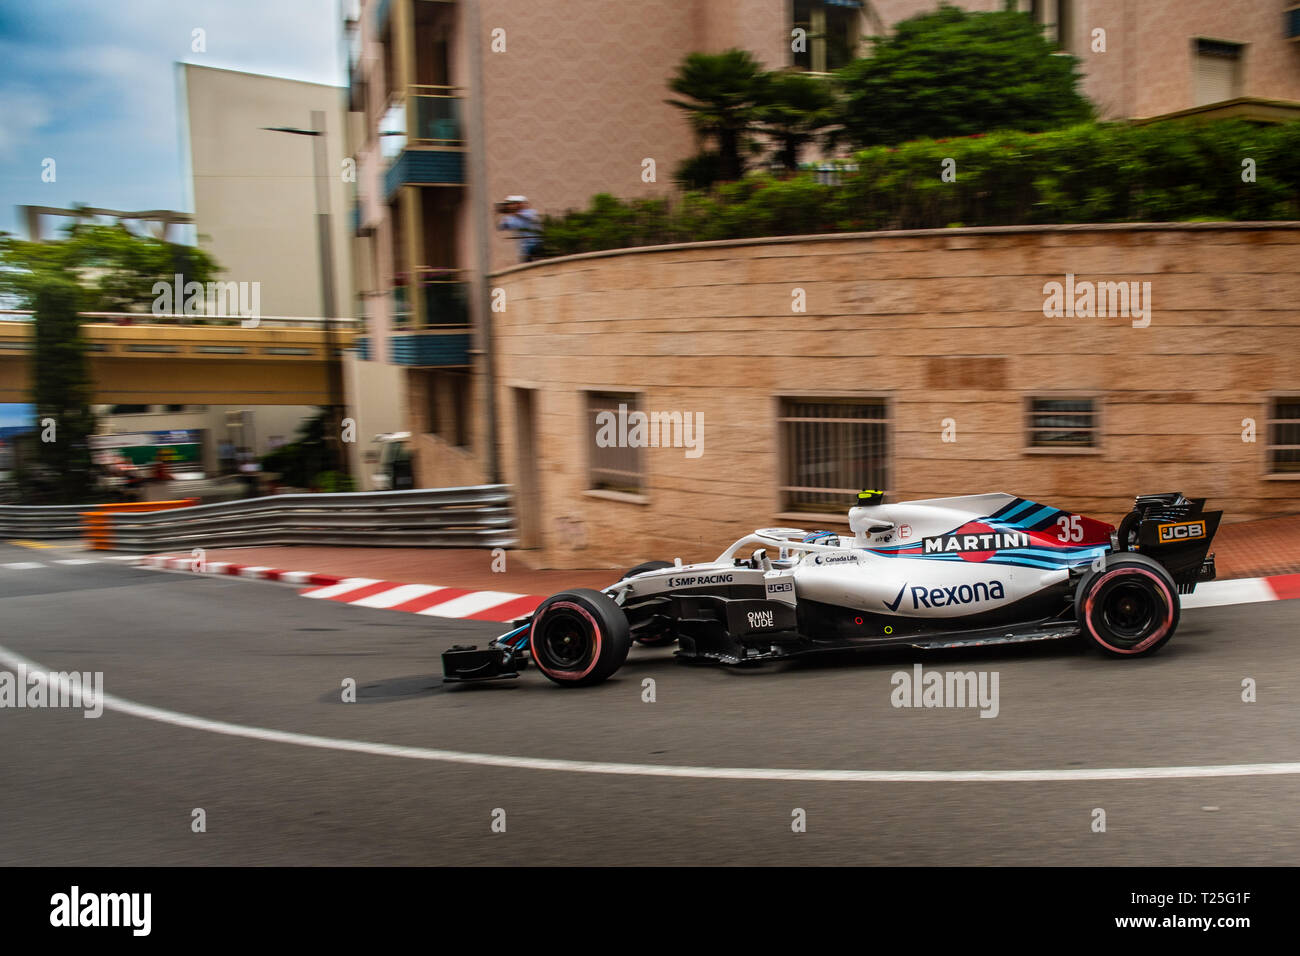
(517, 215)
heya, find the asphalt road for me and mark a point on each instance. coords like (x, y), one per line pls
(123, 788)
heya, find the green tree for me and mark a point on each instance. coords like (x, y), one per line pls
(61, 392)
(794, 109)
(114, 269)
(952, 73)
(309, 461)
(94, 268)
(721, 93)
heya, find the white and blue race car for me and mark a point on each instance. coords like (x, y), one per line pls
(937, 573)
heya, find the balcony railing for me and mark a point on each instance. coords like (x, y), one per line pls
(425, 116)
(430, 349)
(444, 296)
(421, 139)
(400, 307)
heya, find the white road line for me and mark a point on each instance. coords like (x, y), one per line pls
(253, 570)
(468, 604)
(76, 561)
(343, 587)
(1219, 593)
(296, 577)
(22, 565)
(396, 595)
(35, 671)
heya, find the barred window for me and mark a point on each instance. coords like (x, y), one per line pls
(613, 465)
(1062, 423)
(832, 449)
(1283, 448)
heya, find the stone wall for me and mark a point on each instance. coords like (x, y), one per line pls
(944, 325)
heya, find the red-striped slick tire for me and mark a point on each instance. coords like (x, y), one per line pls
(1128, 608)
(578, 638)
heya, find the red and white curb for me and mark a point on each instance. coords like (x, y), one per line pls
(165, 562)
(1279, 587)
(437, 601)
(428, 599)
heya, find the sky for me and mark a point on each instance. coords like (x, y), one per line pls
(93, 85)
(11, 415)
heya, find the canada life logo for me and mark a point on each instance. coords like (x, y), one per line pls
(974, 541)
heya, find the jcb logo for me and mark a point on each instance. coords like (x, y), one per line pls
(1182, 531)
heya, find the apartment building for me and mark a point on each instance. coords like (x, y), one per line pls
(457, 104)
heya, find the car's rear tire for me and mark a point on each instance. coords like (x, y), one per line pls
(665, 636)
(1129, 607)
(578, 638)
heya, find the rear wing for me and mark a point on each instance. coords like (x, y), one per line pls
(1174, 530)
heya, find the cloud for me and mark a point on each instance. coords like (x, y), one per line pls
(26, 113)
(95, 87)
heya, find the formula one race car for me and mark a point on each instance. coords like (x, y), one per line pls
(938, 573)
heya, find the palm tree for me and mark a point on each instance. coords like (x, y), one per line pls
(794, 109)
(721, 93)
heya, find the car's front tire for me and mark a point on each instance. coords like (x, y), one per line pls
(579, 637)
(1129, 607)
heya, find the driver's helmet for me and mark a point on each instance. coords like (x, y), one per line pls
(830, 538)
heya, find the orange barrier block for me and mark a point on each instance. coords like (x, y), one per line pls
(97, 525)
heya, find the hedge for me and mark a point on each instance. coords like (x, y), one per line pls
(1093, 173)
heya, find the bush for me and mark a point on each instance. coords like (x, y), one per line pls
(699, 171)
(332, 482)
(954, 73)
(1091, 173)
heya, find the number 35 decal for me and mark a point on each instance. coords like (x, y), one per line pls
(1071, 528)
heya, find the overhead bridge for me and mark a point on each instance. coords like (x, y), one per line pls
(147, 359)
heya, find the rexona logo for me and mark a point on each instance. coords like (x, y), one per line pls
(699, 579)
(761, 619)
(961, 594)
(975, 541)
(1182, 531)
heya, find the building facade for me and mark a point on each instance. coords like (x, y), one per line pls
(254, 189)
(457, 104)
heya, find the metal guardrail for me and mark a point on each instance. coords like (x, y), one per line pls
(173, 319)
(473, 516)
(42, 522)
